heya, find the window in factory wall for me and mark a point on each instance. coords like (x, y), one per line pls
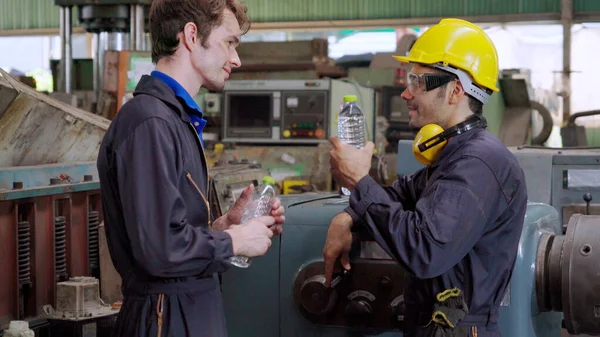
(538, 48)
(340, 42)
(358, 43)
(31, 55)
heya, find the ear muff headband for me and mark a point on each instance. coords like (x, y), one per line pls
(432, 138)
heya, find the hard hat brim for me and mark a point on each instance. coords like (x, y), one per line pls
(403, 59)
(408, 59)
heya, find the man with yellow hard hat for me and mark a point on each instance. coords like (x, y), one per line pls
(454, 225)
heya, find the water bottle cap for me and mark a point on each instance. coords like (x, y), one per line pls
(349, 98)
(268, 180)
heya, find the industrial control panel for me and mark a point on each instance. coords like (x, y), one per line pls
(568, 179)
(304, 115)
(289, 111)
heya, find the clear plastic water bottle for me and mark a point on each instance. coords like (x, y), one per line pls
(351, 126)
(260, 204)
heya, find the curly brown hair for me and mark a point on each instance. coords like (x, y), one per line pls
(168, 17)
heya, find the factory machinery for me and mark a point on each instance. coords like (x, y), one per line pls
(51, 220)
(54, 261)
(554, 284)
(50, 206)
(50, 212)
(100, 17)
(50, 215)
(51, 256)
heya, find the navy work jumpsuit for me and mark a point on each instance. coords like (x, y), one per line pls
(153, 179)
(454, 224)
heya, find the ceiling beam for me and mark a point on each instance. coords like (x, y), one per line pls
(258, 27)
(399, 23)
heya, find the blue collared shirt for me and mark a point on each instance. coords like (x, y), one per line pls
(194, 111)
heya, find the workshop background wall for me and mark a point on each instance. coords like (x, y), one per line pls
(42, 16)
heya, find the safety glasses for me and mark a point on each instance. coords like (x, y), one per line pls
(427, 82)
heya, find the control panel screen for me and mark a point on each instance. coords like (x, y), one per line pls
(393, 106)
(250, 110)
(582, 179)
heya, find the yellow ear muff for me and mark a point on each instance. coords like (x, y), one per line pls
(427, 136)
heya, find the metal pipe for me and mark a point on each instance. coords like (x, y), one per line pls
(132, 27)
(140, 39)
(567, 22)
(66, 61)
(111, 40)
(67, 49)
(100, 48)
(63, 52)
(103, 36)
(116, 41)
(96, 74)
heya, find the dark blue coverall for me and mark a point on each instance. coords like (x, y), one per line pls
(153, 180)
(456, 223)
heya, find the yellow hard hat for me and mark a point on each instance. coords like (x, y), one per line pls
(432, 153)
(459, 44)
